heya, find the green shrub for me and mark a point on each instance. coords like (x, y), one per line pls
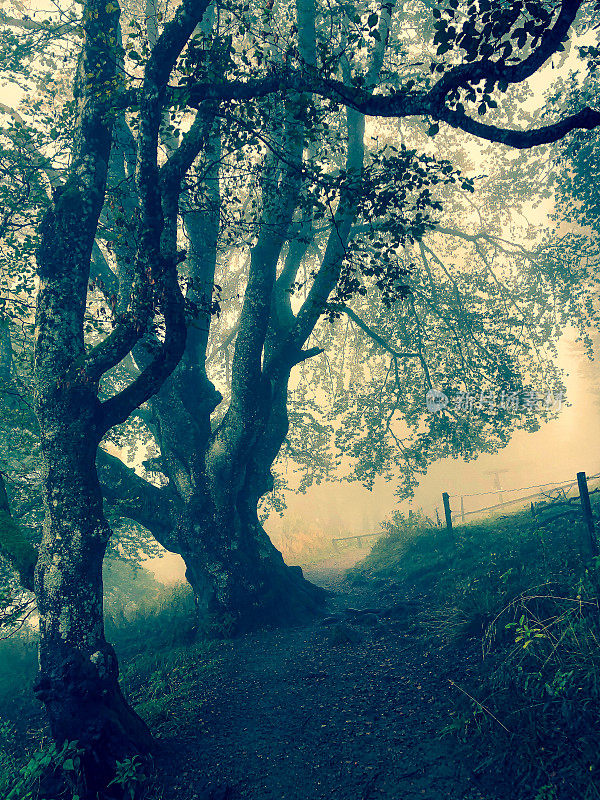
(547, 687)
(167, 619)
(18, 669)
(130, 776)
(65, 766)
(163, 658)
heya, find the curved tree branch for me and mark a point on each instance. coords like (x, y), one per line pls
(468, 73)
(132, 496)
(406, 103)
(586, 119)
(342, 309)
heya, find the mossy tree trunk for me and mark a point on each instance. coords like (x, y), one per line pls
(217, 477)
(78, 679)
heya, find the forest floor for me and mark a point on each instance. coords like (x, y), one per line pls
(349, 710)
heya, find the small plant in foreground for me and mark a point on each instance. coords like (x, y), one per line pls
(65, 766)
(130, 776)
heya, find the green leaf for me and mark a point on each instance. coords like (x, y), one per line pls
(433, 129)
(372, 20)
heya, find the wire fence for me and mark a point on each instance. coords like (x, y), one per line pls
(552, 493)
(553, 500)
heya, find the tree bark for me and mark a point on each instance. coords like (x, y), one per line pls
(78, 678)
(78, 681)
(240, 580)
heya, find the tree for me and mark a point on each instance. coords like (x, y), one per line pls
(223, 99)
(216, 473)
(78, 669)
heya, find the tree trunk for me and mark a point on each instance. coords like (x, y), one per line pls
(78, 671)
(241, 581)
(78, 679)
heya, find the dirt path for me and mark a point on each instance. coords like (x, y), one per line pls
(303, 715)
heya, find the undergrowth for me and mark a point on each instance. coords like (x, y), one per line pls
(162, 664)
(163, 658)
(530, 596)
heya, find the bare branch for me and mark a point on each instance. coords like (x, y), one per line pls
(304, 355)
(342, 309)
(133, 497)
(586, 119)
(27, 24)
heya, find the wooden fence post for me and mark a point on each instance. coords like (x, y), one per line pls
(586, 507)
(462, 509)
(447, 512)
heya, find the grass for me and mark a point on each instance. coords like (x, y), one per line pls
(530, 596)
(481, 568)
(11, 759)
(163, 663)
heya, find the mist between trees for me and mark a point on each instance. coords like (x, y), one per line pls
(237, 233)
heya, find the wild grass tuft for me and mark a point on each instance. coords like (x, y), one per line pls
(531, 596)
(163, 658)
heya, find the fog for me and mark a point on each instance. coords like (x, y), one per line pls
(555, 453)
